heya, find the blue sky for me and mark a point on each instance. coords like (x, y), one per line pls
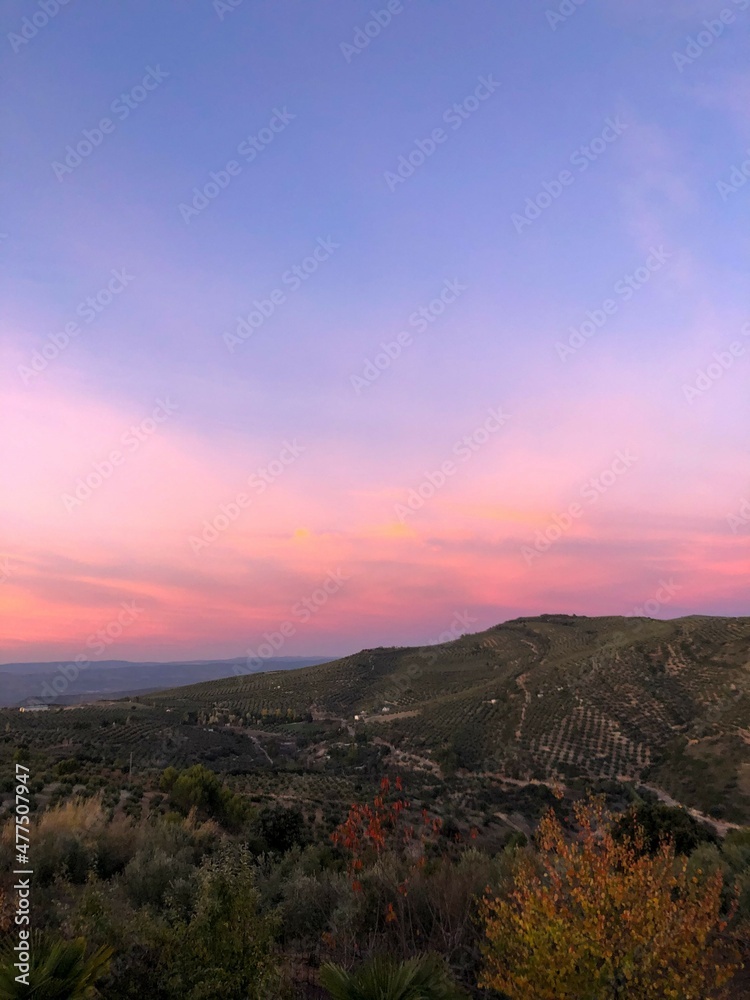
(222, 75)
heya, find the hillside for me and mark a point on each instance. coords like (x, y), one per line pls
(553, 698)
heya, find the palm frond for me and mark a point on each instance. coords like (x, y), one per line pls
(384, 978)
(59, 970)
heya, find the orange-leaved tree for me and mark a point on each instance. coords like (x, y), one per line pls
(592, 917)
(371, 830)
(386, 846)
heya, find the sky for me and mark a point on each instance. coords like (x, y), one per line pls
(333, 324)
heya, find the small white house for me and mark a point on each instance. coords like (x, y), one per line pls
(34, 708)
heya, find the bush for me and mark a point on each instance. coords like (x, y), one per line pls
(59, 970)
(151, 874)
(601, 917)
(226, 948)
(658, 822)
(281, 828)
(384, 978)
(200, 789)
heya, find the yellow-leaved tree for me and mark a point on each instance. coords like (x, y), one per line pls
(597, 917)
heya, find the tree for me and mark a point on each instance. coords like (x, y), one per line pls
(226, 948)
(168, 778)
(387, 846)
(199, 788)
(371, 831)
(659, 822)
(597, 917)
(59, 970)
(384, 978)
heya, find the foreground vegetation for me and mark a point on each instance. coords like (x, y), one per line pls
(218, 898)
(250, 839)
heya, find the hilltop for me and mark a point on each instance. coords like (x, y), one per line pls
(555, 698)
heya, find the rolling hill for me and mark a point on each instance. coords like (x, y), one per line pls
(554, 698)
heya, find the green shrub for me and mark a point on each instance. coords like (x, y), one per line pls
(150, 875)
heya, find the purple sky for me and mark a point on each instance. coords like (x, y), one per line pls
(354, 329)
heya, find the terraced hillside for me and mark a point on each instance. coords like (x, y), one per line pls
(552, 698)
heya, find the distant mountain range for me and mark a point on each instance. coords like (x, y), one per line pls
(21, 683)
